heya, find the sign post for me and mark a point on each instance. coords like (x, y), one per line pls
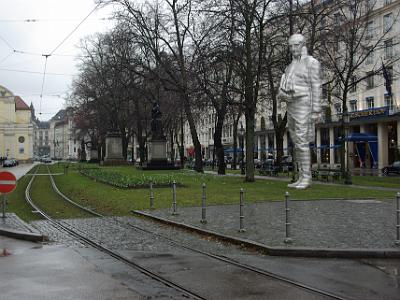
(8, 182)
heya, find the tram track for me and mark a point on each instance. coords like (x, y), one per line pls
(75, 232)
(83, 236)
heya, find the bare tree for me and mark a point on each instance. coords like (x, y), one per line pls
(349, 47)
(162, 30)
(252, 18)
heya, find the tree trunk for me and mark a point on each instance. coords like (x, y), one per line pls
(198, 166)
(219, 148)
(250, 116)
(172, 153)
(124, 140)
(235, 140)
(279, 146)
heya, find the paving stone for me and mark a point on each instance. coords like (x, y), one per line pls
(317, 224)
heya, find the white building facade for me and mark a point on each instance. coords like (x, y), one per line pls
(374, 125)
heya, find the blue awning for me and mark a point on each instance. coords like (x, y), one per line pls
(231, 150)
(361, 137)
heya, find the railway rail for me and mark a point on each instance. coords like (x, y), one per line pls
(98, 245)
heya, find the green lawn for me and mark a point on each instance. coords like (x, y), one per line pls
(110, 200)
(384, 181)
(220, 190)
(17, 203)
(45, 198)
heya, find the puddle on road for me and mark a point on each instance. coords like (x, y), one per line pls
(5, 252)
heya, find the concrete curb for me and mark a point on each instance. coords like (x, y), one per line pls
(282, 251)
(23, 235)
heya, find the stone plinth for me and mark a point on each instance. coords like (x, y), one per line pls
(157, 150)
(114, 150)
(158, 156)
(94, 154)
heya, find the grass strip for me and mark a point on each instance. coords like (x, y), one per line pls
(45, 198)
(220, 190)
(17, 203)
(121, 180)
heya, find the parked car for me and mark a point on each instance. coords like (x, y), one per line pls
(16, 163)
(46, 160)
(9, 163)
(287, 163)
(269, 168)
(258, 163)
(392, 169)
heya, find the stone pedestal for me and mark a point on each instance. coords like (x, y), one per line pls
(158, 156)
(157, 151)
(94, 154)
(114, 150)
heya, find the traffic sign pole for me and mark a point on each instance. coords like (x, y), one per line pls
(8, 182)
(4, 206)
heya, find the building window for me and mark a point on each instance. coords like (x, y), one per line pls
(387, 2)
(387, 22)
(369, 4)
(337, 19)
(262, 125)
(370, 102)
(324, 91)
(370, 80)
(353, 105)
(388, 49)
(370, 58)
(338, 108)
(369, 30)
(353, 86)
(389, 102)
(74, 149)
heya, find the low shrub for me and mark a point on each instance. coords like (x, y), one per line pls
(129, 181)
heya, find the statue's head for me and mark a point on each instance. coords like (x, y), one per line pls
(296, 43)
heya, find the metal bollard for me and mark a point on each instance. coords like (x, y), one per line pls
(151, 196)
(4, 205)
(203, 205)
(241, 228)
(397, 219)
(174, 212)
(287, 239)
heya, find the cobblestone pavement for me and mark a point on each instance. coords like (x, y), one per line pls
(115, 233)
(11, 221)
(318, 224)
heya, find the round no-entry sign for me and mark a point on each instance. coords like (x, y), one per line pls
(8, 182)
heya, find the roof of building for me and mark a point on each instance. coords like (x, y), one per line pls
(43, 125)
(20, 104)
(60, 115)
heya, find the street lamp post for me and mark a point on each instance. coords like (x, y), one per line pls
(241, 141)
(347, 174)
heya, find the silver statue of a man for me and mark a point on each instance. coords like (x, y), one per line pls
(300, 88)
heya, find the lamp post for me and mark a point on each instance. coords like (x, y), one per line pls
(347, 174)
(241, 142)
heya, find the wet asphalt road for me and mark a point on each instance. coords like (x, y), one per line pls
(352, 279)
(67, 269)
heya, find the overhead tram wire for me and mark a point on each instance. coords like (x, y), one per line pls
(6, 57)
(33, 20)
(34, 72)
(80, 23)
(7, 43)
(44, 76)
(58, 46)
(40, 54)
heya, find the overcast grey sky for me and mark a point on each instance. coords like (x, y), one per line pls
(37, 27)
